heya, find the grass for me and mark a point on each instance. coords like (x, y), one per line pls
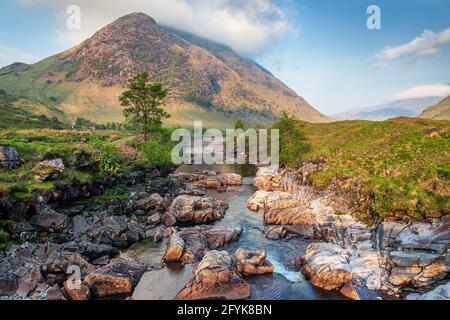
(89, 156)
(401, 166)
(74, 147)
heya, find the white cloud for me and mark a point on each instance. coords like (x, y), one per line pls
(248, 26)
(9, 55)
(426, 45)
(424, 91)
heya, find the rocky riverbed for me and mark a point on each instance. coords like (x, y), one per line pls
(200, 234)
(395, 258)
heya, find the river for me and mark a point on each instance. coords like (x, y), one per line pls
(284, 284)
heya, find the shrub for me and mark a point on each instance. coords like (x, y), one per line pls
(293, 143)
(107, 156)
(158, 149)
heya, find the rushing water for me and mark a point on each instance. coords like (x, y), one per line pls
(285, 283)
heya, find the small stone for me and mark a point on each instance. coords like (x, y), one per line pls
(55, 293)
(350, 292)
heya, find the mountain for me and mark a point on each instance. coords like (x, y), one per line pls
(440, 111)
(207, 81)
(392, 109)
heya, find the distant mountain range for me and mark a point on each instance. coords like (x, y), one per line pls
(403, 108)
(440, 111)
(207, 81)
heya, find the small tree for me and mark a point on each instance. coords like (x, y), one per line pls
(293, 142)
(142, 101)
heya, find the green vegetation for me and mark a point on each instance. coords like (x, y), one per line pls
(204, 102)
(142, 101)
(107, 156)
(4, 234)
(158, 149)
(292, 140)
(18, 113)
(72, 69)
(402, 166)
(88, 156)
(239, 124)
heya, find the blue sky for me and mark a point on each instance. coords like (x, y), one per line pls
(321, 49)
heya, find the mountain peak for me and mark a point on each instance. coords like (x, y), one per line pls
(205, 77)
(136, 17)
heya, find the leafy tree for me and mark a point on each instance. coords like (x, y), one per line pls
(292, 140)
(142, 101)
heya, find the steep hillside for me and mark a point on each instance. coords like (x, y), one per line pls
(440, 111)
(206, 80)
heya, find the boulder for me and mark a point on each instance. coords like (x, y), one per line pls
(77, 291)
(216, 277)
(174, 249)
(278, 198)
(232, 179)
(440, 293)
(9, 157)
(193, 242)
(208, 179)
(412, 259)
(416, 254)
(119, 231)
(8, 284)
(252, 263)
(60, 261)
(54, 294)
(219, 237)
(197, 210)
(95, 250)
(118, 278)
(326, 266)
(256, 202)
(48, 219)
(28, 282)
(266, 178)
(288, 212)
(49, 169)
(275, 232)
(145, 204)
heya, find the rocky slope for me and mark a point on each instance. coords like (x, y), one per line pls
(390, 256)
(439, 111)
(207, 80)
